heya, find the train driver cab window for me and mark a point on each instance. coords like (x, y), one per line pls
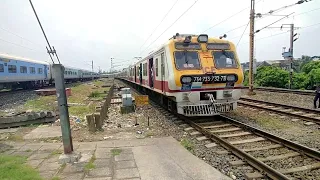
(1, 68)
(23, 69)
(40, 70)
(187, 60)
(12, 69)
(224, 59)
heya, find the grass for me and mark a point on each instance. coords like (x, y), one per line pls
(15, 137)
(43, 103)
(116, 151)
(14, 168)
(187, 144)
(56, 152)
(79, 94)
(90, 164)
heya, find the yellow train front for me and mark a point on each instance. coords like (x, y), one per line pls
(191, 74)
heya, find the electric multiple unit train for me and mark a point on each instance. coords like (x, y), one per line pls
(193, 75)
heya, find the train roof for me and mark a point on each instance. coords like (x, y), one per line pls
(11, 57)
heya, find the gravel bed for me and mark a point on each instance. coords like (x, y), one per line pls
(308, 175)
(255, 144)
(15, 100)
(305, 101)
(270, 152)
(285, 128)
(292, 162)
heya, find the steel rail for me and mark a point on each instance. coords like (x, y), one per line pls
(313, 119)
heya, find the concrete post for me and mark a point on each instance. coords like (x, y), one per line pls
(58, 71)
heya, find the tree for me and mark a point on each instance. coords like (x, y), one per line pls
(313, 78)
(306, 68)
(269, 76)
(300, 80)
(246, 78)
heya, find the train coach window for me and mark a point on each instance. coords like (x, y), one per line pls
(186, 60)
(157, 64)
(23, 69)
(12, 69)
(32, 70)
(1, 68)
(40, 71)
(224, 59)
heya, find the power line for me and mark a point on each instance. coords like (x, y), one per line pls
(307, 11)
(243, 34)
(170, 25)
(19, 36)
(305, 27)
(159, 23)
(229, 17)
(16, 44)
(273, 23)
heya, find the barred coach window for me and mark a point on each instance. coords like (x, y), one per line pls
(12, 69)
(1, 68)
(224, 59)
(186, 60)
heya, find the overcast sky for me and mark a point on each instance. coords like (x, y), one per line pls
(85, 30)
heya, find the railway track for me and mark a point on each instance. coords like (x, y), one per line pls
(282, 90)
(260, 149)
(271, 156)
(298, 112)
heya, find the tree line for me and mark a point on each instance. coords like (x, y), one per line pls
(306, 75)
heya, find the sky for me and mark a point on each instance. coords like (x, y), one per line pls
(98, 30)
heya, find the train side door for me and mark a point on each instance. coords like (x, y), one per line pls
(162, 72)
(140, 73)
(135, 73)
(45, 71)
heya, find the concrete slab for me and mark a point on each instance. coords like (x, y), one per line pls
(100, 172)
(123, 157)
(44, 132)
(125, 164)
(169, 160)
(126, 173)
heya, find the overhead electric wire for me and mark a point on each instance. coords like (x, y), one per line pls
(273, 23)
(243, 33)
(16, 44)
(170, 25)
(159, 23)
(229, 17)
(19, 36)
(305, 27)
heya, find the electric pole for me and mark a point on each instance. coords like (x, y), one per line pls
(251, 47)
(92, 69)
(111, 65)
(291, 52)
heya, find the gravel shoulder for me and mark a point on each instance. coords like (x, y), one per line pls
(305, 101)
(283, 127)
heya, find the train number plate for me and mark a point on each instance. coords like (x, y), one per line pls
(209, 79)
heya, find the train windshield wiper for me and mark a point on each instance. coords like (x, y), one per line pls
(185, 57)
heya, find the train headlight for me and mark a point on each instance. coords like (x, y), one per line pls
(203, 38)
(231, 78)
(186, 79)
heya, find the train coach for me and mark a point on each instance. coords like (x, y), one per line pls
(193, 75)
(18, 72)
